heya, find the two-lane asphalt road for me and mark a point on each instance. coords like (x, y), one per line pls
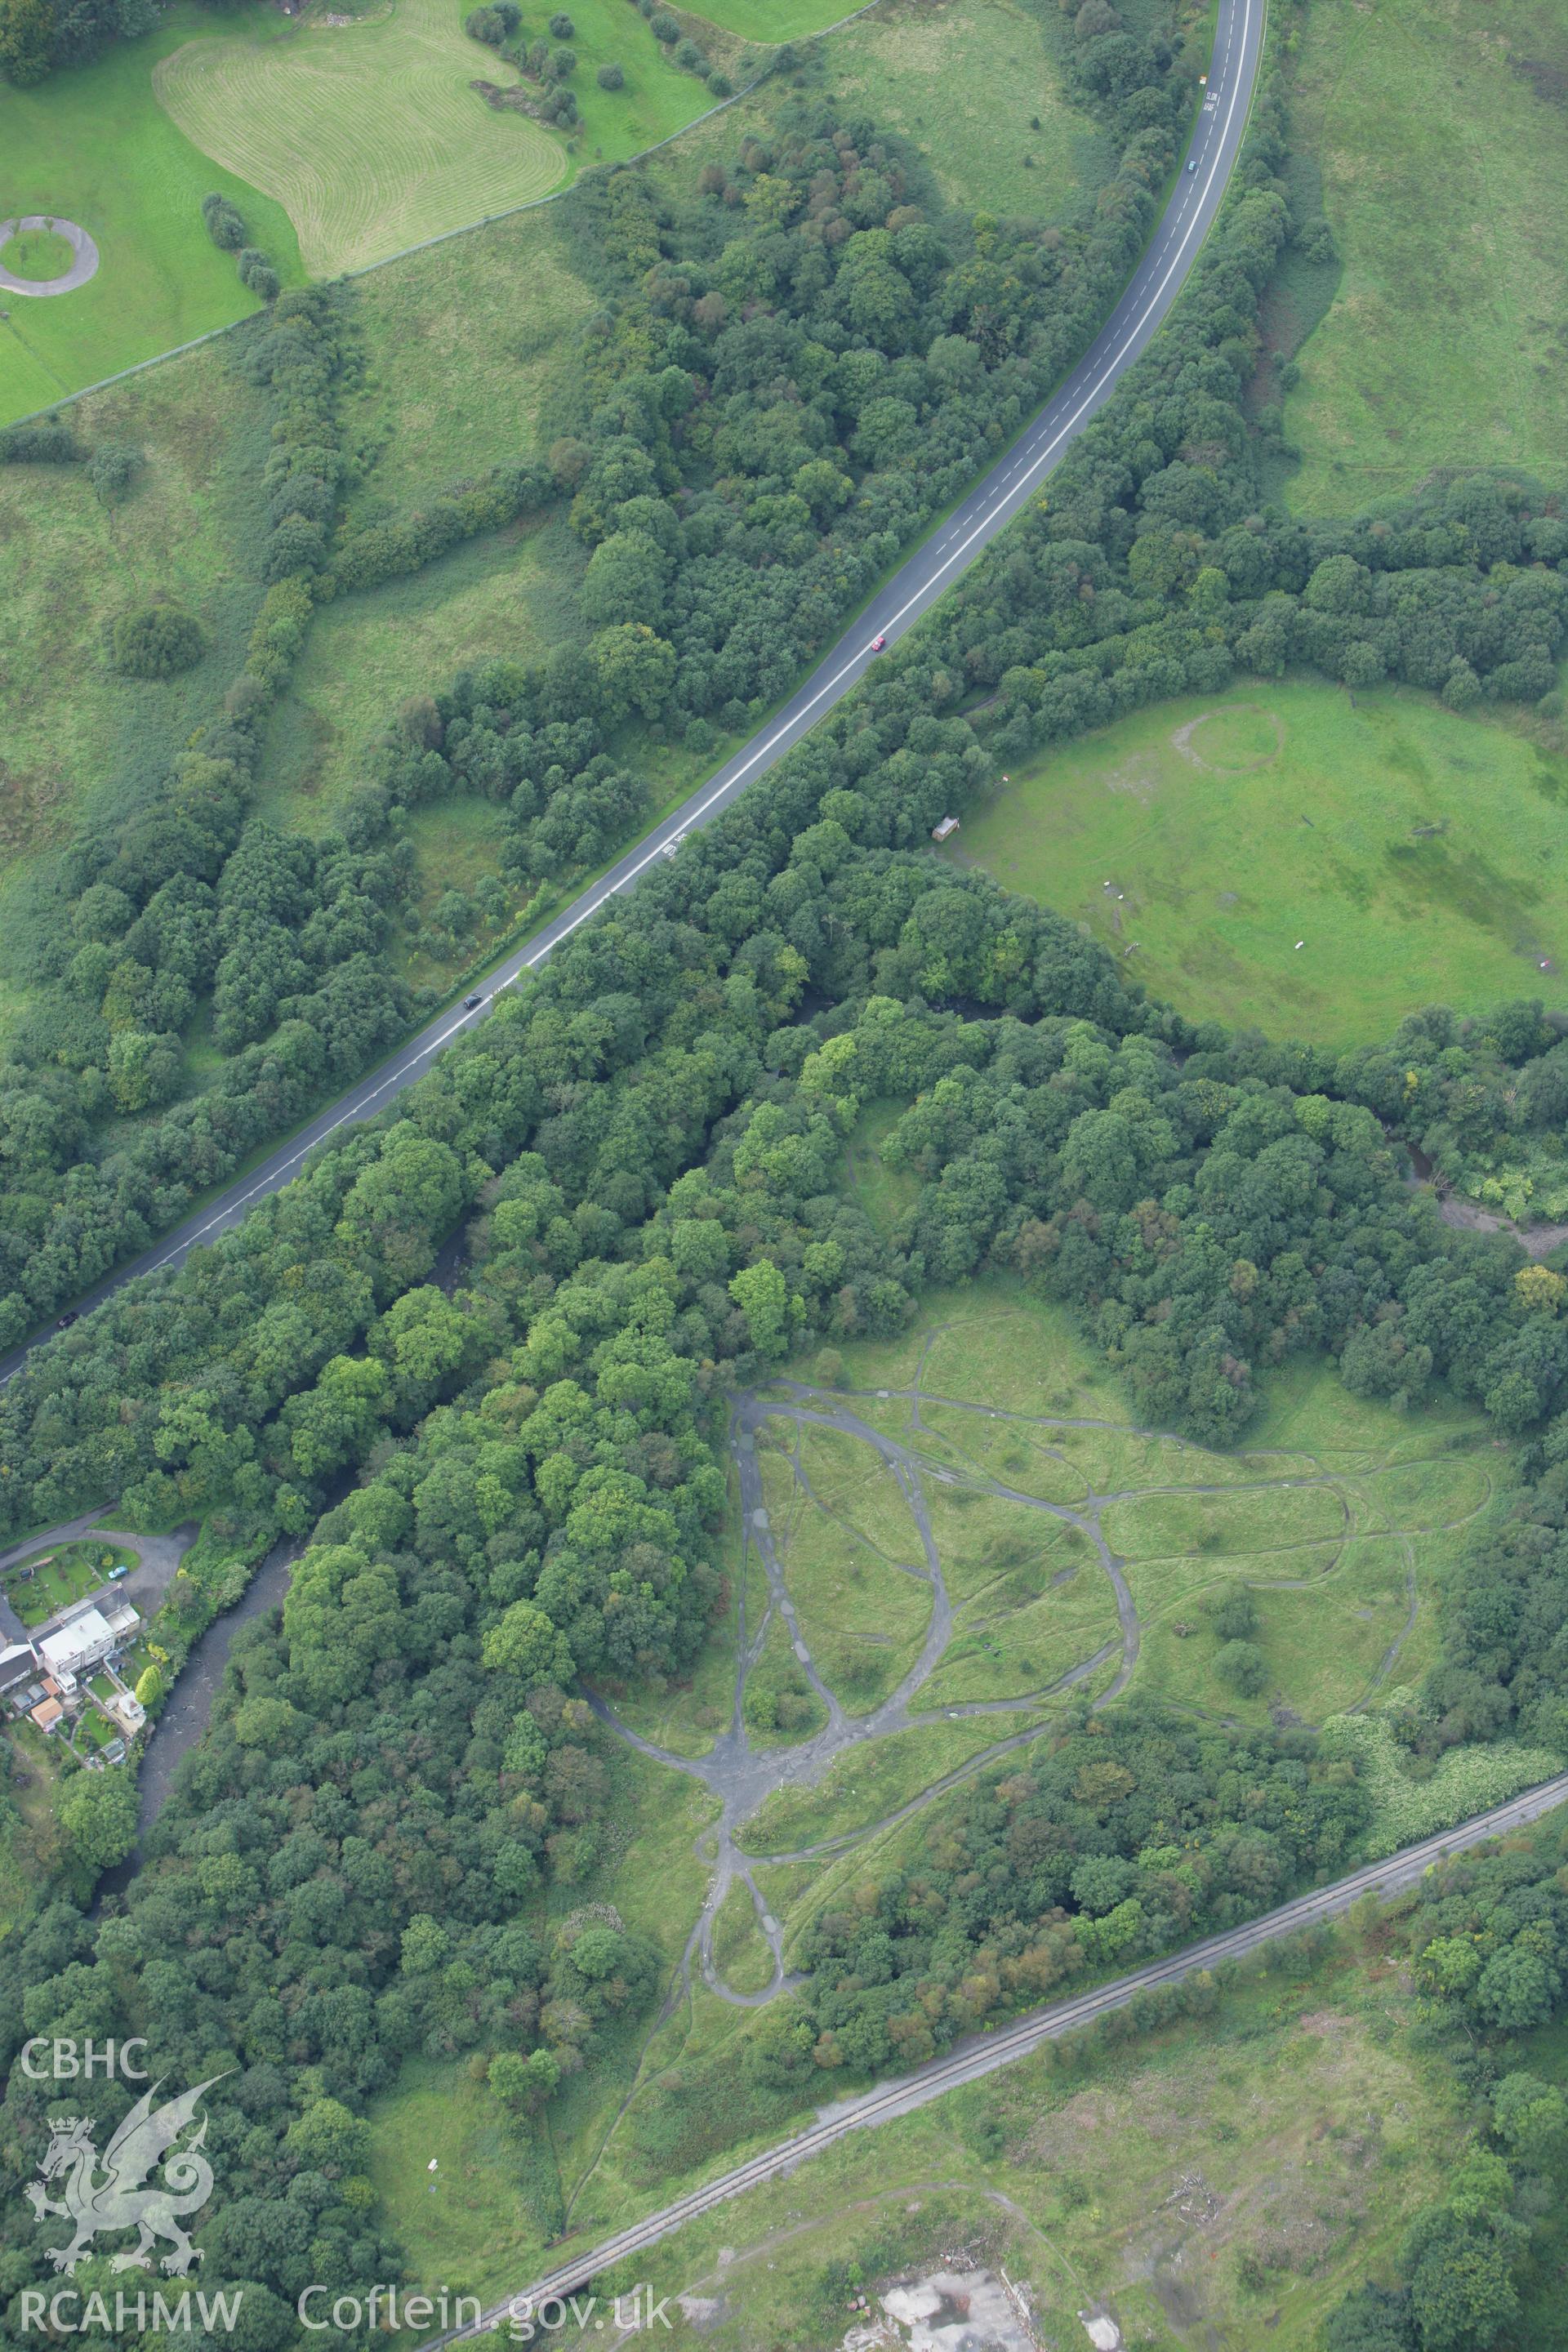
(925, 575)
(983, 2054)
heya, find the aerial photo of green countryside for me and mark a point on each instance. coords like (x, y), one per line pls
(783, 1175)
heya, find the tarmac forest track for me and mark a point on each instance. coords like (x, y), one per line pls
(983, 2054)
(925, 575)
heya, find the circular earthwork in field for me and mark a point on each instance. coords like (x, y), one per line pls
(1232, 739)
(82, 265)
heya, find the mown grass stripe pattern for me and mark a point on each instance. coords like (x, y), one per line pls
(369, 144)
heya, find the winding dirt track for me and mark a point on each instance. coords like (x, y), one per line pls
(743, 1777)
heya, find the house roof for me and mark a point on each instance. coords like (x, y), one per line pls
(16, 1662)
(89, 1631)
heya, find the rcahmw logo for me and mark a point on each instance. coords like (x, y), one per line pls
(150, 2179)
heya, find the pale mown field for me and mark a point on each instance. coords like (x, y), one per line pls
(368, 134)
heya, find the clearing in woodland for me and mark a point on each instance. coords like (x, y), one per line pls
(951, 1538)
(972, 86)
(1441, 133)
(1413, 852)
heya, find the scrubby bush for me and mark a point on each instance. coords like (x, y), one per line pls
(486, 24)
(561, 28)
(610, 77)
(157, 640)
(1243, 1665)
(1235, 1614)
(256, 272)
(113, 467)
(562, 65)
(406, 542)
(665, 28)
(225, 224)
(48, 442)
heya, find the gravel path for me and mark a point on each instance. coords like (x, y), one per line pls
(743, 1777)
(83, 267)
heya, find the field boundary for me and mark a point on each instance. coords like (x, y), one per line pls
(444, 237)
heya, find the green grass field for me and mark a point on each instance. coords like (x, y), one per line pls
(741, 1952)
(1441, 133)
(425, 422)
(775, 20)
(1340, 1518)
(960, 79)
(372, 137)
(1338, 1522)
(460, 2223)
(368, 134)
(963, 81)
(78, 736)
(340, 144)
(508, 594)
(1416, 854)
(863, 1611)
(92, 145)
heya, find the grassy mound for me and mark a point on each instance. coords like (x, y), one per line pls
(1412, 851)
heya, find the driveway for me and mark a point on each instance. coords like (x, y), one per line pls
(157, 1559)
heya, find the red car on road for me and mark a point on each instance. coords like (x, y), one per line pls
(877, 644)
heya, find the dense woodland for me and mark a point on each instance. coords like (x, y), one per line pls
(774, 398)
(793, 370)
(38, 35)
(1488, 1938)
(511, 1487)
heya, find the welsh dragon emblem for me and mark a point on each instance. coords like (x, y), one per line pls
(117, 2201)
